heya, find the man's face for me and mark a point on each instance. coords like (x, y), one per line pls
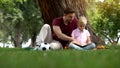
(69, 17)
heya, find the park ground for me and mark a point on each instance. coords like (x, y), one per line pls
(23, 58)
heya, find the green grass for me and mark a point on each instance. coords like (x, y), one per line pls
(21, 58)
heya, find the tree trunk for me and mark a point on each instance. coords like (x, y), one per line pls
(33, 39)
(53, 8)
(17, 37)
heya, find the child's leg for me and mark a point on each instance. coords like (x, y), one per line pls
(90, 46)
(44, 35)
(73, 46)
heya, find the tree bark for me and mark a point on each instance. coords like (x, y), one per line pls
(33, 39)
(17, 38)
(54, 8)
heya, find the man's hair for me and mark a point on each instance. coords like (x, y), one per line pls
(69, 10)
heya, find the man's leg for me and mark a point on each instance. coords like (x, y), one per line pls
(73, 46)
(44, 35)
(56, 45)
(90, 46)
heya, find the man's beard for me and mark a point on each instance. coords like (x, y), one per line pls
(69, 21)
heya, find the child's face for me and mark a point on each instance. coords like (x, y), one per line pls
(81, 27)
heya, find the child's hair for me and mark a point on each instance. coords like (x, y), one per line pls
(82, 20)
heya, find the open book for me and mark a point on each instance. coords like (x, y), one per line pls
(81, 46)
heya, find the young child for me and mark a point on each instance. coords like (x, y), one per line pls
(81, 36)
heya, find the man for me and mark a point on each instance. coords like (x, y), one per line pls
(62, 29)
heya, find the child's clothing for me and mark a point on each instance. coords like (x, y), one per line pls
(81, 36)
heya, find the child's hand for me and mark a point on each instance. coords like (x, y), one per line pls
(76, 42)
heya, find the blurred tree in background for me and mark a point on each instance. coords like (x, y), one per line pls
(105, 18)
(19, 21)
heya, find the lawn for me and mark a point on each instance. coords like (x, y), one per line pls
(22, 58)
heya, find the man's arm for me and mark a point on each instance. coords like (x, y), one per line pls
(60, 35)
